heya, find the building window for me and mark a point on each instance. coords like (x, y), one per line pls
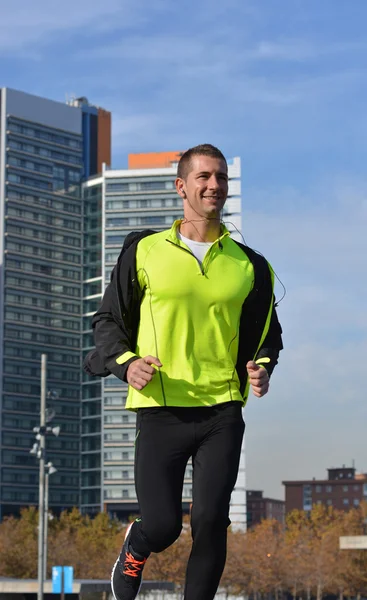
(117, 187)
(329, 489)
(113, 400)
(112, 474)
(152, 220)
(356, 502)
(115, 239)
(329, 502)
(345, 488)
(111, 257)
(345, 501)
(319, 489)
(187, 492)
(113, 418)
(112, 493)
(307, 497)
(113, 456)
(117, 222)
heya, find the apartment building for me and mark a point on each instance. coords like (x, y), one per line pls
(46, 149)
(343, 489)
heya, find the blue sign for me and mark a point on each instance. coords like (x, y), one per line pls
(62, 577)
(56, 580)
(68, 580)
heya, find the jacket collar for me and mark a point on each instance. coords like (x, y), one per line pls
(172, 235)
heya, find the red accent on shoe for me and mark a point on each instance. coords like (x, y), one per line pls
(133, 566)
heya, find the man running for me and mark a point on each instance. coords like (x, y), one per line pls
(189, 322)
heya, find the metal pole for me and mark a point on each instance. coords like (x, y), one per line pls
(62, 583)
(47, 477)
(42, 445)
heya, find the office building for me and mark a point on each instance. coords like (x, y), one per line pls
(117, 202)
(46, 149)
(260, 508)
(343, 489)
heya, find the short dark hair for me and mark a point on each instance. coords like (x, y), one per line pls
(184, 165)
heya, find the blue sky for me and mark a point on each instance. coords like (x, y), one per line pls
(283, 85)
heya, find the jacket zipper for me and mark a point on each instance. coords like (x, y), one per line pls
(191, 254)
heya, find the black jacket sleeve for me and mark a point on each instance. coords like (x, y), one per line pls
(116, 322)
(111, 324)
(253, 320)
(272, 343)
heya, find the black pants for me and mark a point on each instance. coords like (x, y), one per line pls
(166, 438)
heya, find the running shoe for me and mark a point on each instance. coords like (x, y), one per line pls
(127, 572)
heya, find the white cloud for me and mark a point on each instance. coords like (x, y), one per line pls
(292, 50)
(324, 228)
(25, 25)
(133, 130)
(203, 88)
(197, 81)
(301, 50)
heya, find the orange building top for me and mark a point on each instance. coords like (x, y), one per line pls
(153, 160)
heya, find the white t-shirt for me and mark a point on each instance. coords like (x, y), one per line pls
(199, 249)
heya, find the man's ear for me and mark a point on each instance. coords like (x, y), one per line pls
(180, 187)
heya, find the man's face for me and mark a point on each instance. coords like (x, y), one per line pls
(206, 186)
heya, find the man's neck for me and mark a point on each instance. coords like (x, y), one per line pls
(201, 231)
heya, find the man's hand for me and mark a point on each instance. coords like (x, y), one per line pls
(258, 378)
(139, 372)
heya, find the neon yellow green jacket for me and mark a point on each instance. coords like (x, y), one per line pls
(203, 322)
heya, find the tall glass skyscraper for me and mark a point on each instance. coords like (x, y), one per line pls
(116, 203)
(46, 149)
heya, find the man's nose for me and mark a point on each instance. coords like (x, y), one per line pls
(213, 183)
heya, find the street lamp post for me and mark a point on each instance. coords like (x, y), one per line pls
(50, 470)
(41, 493)
(45, 525)
(39, 450)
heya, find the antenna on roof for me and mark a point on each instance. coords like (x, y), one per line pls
(71, 99)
